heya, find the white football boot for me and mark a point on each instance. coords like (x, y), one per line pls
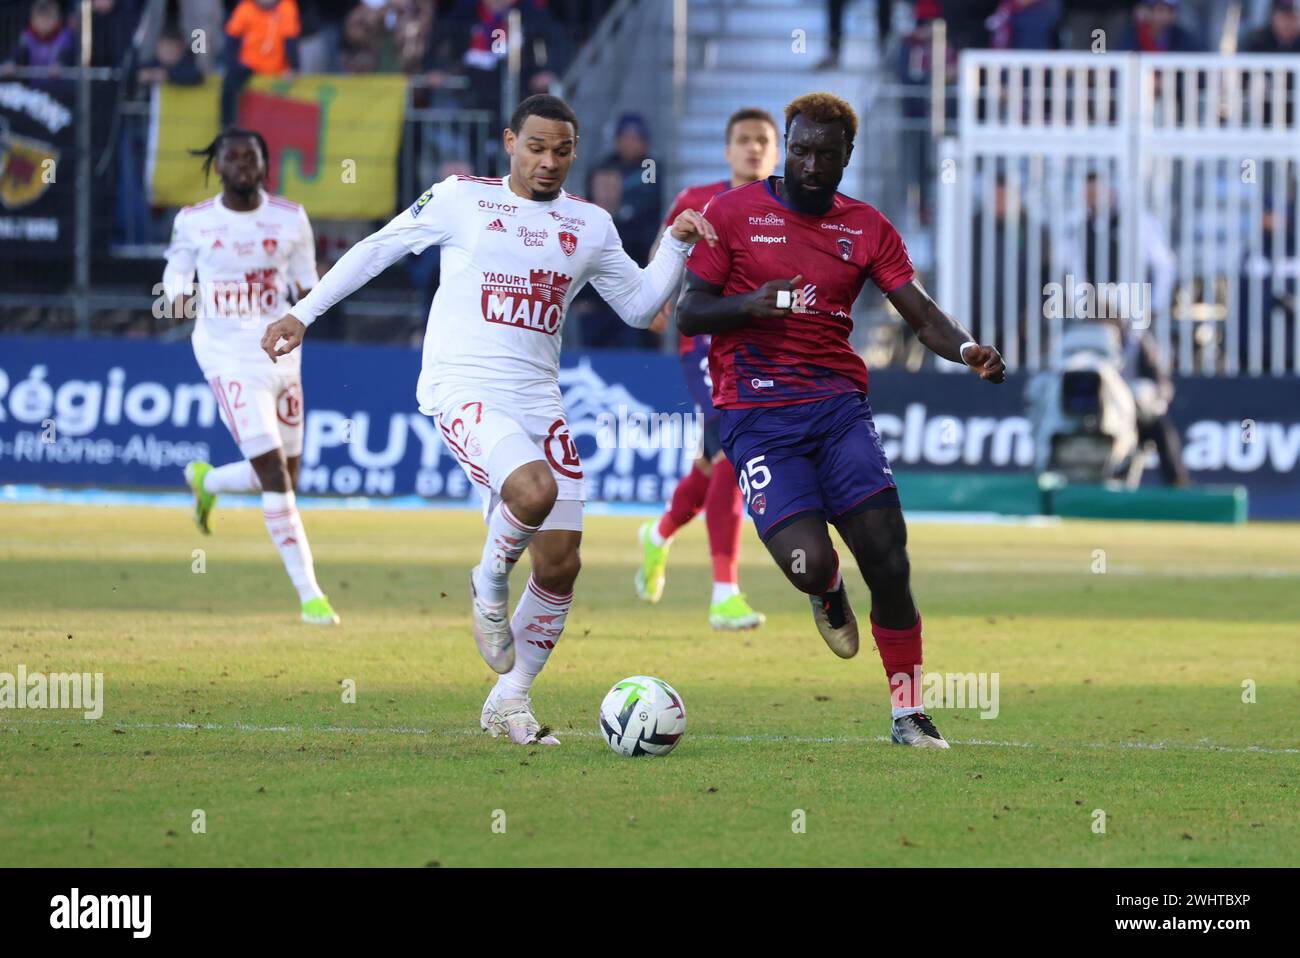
(836, 621)
(514, 718)
(496, 643)
(918, 731)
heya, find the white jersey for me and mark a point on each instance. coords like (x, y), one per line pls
(510, 268)
(248, 267)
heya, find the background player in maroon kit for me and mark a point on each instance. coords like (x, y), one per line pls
(795, 420)
(751, 138)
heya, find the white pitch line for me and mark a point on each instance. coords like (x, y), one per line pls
(746, 739)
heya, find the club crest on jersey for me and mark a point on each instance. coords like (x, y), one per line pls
(846, 248)
(568, 243)
(269, 244)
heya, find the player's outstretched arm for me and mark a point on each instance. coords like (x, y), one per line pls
(358, 266)
(636, 294)
(429, 222)
(943, 335)
(703, 309)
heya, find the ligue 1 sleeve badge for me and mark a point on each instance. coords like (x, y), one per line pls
(568, 243)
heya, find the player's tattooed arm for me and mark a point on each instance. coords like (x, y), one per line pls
(703, 309)
(943, 335)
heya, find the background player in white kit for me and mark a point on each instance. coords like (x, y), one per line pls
(515, 251)
(255, 255)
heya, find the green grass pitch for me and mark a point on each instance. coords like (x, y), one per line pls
(1120, 691)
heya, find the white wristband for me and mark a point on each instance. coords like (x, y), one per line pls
(784, 299)
(961, 351)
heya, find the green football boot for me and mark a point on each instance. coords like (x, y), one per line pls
(203, 501)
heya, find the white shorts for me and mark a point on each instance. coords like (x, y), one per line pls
(261, 405)
(491, 440)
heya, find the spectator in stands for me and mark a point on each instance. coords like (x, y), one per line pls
(1155, 29)
(473, 42)
(322, 28)
(387, 36)
(915, 69)
(46, 41)
(966, 19)
(261, 38)
(173, 62)
(1025, 25)
(113, 23)
(640, 210)
(206, 17)
(996, 232)
(835, 30)
(1267, 269)
(1084, 17)
(1281, 35)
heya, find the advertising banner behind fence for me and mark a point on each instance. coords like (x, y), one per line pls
(127, 413)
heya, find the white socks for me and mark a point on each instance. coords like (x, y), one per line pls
(722, 591)
(234, 477)
(507, 539)
(655, 538)
(537, 624)
(283, 522)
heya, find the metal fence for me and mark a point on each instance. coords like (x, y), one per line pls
(1157, 190)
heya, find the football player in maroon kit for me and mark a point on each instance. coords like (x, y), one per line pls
(795, 420)
(751, 138)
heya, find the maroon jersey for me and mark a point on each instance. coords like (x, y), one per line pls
(805, 355)
(693, 198)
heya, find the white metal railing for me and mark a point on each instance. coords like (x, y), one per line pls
(1173, 177)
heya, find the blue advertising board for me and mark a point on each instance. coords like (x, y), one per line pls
(131, 413)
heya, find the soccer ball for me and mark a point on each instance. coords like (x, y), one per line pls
(642, 715)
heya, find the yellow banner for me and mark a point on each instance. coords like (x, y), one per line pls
(333, 141)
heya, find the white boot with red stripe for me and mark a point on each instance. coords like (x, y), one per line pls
(537, 625)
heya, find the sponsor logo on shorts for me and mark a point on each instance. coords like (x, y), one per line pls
(534, 302)
(764, 238)
(759, 504)
(762, 383)
(561, 452)
(288, 405)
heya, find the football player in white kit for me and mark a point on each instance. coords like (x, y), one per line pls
(254, 254)
(515, 251)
